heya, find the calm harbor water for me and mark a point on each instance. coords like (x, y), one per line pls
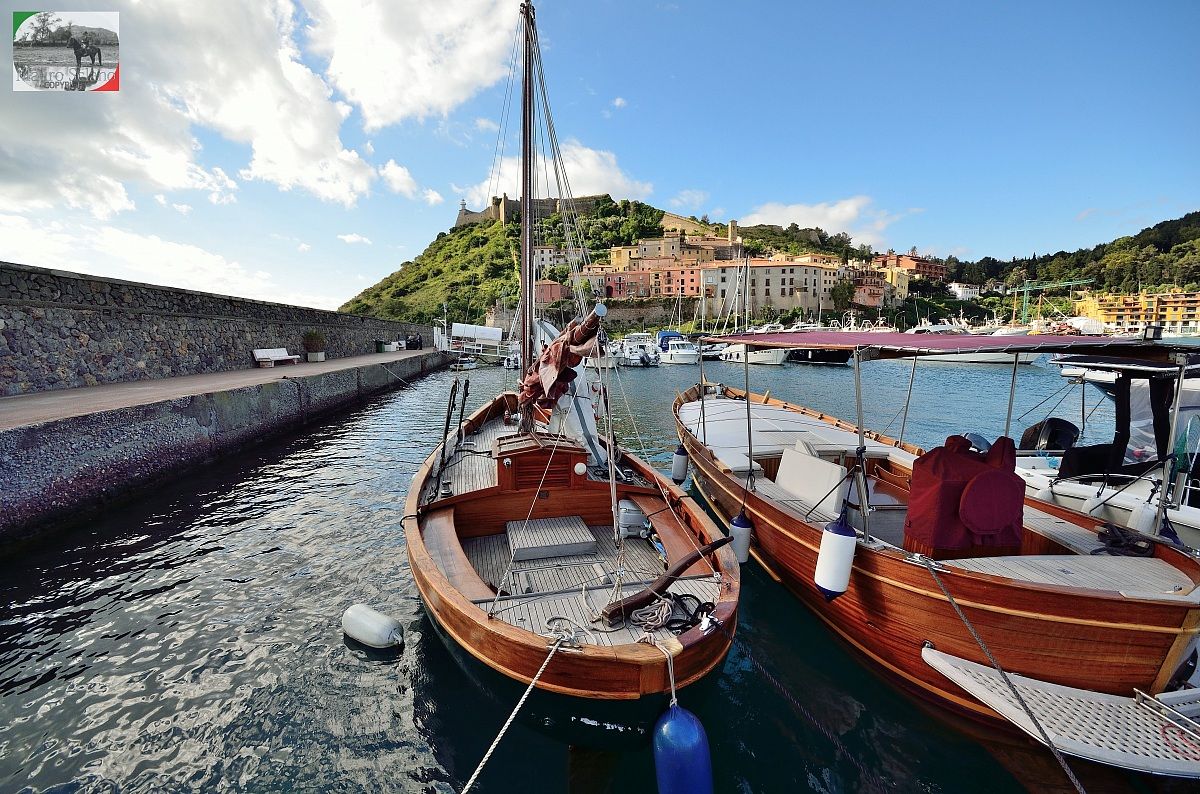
(190, 640)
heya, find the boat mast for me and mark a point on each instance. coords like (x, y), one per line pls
(529, 350)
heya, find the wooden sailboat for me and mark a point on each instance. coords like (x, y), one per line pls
(1099, 647)
(549, 558)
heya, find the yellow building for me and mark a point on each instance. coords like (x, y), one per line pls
(1176, 312)
(622, 256)
(898, 277)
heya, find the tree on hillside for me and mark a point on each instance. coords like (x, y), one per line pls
(842, 294)
(44, 25)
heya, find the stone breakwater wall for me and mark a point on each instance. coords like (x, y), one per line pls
(61, 330)
(64, 470)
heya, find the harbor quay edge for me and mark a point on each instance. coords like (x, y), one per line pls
(59, 472)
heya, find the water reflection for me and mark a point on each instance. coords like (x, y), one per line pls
(191, 640)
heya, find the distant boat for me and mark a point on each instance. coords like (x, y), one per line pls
(464, 362)
(681, 351)
(736, 353)
(975, 357)
(638, 350)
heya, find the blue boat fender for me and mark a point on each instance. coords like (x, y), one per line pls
(682, 762)
(741, 528)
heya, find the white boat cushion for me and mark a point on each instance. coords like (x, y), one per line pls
(810, 478)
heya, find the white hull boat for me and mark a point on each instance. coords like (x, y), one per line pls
(769, 356)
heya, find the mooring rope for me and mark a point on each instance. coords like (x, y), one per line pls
(1058, 756)
(508, 722)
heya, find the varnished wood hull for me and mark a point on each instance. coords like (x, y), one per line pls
(631, 678)
(1073, 637)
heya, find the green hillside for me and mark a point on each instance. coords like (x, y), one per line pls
(471, 267)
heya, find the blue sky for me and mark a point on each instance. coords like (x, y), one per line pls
(263, 167)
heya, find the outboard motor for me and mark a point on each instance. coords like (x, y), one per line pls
(978, 442)
(1050, 433)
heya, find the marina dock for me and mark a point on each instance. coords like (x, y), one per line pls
(66, 452)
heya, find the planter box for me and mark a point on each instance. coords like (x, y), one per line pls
(316, 356)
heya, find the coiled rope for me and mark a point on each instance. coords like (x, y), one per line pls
(1058, 756)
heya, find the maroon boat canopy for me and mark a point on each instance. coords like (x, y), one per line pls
(878, 344)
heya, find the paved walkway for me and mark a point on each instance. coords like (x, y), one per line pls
(29, 409)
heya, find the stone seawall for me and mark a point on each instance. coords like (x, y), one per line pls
(60, 330)
(62, 470)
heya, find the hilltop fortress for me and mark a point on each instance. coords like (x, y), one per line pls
(504, 209)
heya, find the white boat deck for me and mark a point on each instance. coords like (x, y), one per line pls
(1155, 735)
(773, 429)
(1137, 577)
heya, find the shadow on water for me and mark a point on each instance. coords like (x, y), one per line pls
(191, 639)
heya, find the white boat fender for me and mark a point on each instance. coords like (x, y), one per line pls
(741, 528)
(679, 465)
(836, 558)
(1142, 518)
(371, 628)
(1091, 505)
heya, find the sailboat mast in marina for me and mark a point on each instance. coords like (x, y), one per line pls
(555, 565)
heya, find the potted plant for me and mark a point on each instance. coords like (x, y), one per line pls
(314, 345)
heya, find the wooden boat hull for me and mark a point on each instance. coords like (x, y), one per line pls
(630, 679)
(893, 607)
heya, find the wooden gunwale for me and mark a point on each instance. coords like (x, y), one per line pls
(1043, 631)
(625, 672)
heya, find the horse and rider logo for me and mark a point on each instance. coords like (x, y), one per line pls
(66, 51)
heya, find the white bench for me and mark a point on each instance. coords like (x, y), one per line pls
(267, 356)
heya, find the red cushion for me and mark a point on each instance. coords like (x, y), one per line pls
(992, 505)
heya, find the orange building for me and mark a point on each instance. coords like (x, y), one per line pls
(915, 265)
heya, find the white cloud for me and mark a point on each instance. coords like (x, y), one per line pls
(619, 102)
(398, 179)
(118, 253)
(689, 199)
(161, 199)
(486, 125)
(432, 197)
(591, 171)
(182, 209)
(399, 59)
(353, 238)
(855, 215)
(369, 147)
(304, 248)
(258, 93)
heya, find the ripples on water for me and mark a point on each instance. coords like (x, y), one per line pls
(191, 639)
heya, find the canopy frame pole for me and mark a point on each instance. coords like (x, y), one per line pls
(860, 454)
(749, 419)
(703, 396)
(1012, 394)
(1160, 513)
(908, 399)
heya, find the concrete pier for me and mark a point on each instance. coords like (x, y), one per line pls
(66, 453)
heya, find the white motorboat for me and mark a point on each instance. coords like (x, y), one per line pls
(773, 356)
(638, 350)
(464, 362)
(978, 357)
(681, 351)
(1122, 481)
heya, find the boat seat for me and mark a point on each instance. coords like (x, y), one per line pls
(543, 538)
(734, 458)
(445, 547)
(813, 480)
